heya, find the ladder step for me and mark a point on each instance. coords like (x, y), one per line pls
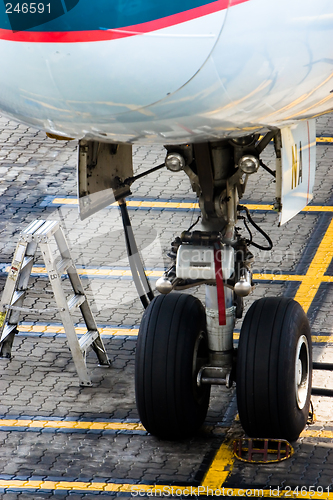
(76, 301)
(33, 227)
(26, 261)
(32, 309)
(48, 228)
(63, 265)
(17, 296)
(7, 330)
(87, 339)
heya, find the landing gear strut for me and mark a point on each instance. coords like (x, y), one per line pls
(184, 348)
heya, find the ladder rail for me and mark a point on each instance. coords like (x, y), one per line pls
(75, 280)
(26, 247)
(13, 274)
(9, 318)
(66, 318)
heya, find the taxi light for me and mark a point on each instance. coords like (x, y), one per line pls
(249, 164)
(174, 162)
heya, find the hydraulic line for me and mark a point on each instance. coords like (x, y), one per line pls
(261, 231)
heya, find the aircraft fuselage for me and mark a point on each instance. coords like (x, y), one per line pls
(166, 73)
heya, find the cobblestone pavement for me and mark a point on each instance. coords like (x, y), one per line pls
(59, 439)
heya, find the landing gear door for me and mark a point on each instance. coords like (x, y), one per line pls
(102, 170)
(298, 165)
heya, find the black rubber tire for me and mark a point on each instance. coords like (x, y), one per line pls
(273, 329)
(172, 331)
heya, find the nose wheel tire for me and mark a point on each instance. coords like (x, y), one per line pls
(274, 369)
(172, 347)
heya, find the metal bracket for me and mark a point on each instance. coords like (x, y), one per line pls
(321, 391)
(262, 451)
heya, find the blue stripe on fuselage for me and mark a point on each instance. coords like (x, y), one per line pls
(92, 14)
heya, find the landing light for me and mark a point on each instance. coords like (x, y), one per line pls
(248, 164)
(174, 162)
(164, 285)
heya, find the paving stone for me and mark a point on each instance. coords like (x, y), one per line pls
(40, 381)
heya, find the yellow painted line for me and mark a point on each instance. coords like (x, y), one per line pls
(170, 204)
(220, 468)
(259, 207)
(317, 433)
(128, 332)
(140, 490)
(158, 274)
(322, 338)
(72, 424)
(136, 204)
(290, 277)
(133, 332)
(161, 204)
(222, 457)
(327, 279)
(317, 208)
(308, 208)
(114, 272)
(327, 339)
(315, 274)
(324, 139)
(65, 201)
(212, 484)
(278, 277)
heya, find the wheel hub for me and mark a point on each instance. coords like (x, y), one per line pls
(299, 372)
(302, 371)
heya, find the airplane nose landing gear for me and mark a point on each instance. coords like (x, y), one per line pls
(184, 348)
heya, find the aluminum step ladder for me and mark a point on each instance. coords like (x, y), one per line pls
(49, 237)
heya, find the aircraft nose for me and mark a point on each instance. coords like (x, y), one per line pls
(93, 65)
(133, 66)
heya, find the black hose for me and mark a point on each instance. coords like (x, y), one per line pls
(195, 223)
(249, 231)
(261, 231)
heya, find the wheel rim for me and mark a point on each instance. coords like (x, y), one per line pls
(302, 372)
(200, 358)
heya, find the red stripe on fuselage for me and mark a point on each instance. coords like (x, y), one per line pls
(112, 34)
